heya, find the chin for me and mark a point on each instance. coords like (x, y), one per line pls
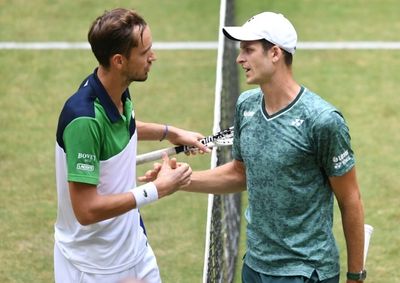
(141, 79)
(250, 82)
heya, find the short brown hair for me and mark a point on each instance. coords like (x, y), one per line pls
(112, 33)
(268, 45)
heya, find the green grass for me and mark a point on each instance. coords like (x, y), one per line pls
(59, 20)
(327, 20)
(180, 91)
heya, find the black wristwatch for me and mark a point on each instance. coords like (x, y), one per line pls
(359, 276)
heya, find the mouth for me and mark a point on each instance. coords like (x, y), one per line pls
(148, 67)
(246, 70)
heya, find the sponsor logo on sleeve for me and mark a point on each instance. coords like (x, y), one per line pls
(341, 160)
(85, 162)
(87, 156)
(85, 167)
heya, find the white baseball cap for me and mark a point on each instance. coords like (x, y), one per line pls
(270, 26)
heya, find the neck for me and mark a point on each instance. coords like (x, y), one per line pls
(113, 85)
(279, 93)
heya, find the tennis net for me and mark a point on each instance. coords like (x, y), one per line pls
(223, 216)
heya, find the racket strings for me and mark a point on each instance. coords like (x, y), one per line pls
(223, 138)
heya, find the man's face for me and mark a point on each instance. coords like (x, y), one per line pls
(141, 57)
(255, 61)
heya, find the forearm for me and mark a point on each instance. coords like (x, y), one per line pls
(227, 178)
(154, 131)
(100, 207)
(177, 136)
(91, 207)
(348, 196)
(151, 131)
(353, 227)
(110, 206)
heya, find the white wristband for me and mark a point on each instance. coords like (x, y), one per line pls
(145, 194)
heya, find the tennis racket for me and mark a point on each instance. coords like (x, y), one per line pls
(222, 138)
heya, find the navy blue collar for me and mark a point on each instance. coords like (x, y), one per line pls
(282, 110)
(105, 100)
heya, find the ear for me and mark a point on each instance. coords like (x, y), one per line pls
(117, 60)
(276, 53)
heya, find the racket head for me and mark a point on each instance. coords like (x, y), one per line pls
(223, 138)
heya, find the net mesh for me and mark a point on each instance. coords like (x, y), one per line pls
(222, 239)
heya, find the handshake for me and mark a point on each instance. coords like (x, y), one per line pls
(168, 176)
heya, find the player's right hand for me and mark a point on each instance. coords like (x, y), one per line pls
(170, 177)
(151, 175)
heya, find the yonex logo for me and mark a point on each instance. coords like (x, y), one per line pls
(297, 122)
(85, 167)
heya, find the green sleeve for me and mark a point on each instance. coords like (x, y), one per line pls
(82, 139)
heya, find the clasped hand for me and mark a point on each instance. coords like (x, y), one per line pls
(168, 176)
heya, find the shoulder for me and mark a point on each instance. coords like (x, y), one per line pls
(315, 102)
(319, 110)
(324, 119)
(80, 105)
(249, 96)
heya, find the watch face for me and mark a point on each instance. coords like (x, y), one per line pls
(363, 274)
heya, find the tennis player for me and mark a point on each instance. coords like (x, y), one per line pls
(292, 152)
(99, 233)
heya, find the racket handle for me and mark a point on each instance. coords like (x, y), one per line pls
(222, 138)
(157, 154)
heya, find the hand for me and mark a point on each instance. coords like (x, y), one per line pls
(171, 176)
(183, 137)
(152, 174)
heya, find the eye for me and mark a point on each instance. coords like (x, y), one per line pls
(248, 50)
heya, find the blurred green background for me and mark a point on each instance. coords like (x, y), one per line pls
(180, 91)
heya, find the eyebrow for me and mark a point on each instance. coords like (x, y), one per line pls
(147, 49)
(244, 44)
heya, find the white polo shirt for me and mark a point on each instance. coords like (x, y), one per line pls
(96, 145)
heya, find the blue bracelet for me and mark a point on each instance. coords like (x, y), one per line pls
(165, 133)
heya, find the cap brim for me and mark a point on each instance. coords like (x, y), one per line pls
(240, 34)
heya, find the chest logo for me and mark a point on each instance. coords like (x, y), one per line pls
(297, 122)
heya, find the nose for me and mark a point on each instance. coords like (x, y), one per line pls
(153, 56)
(239, 58)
